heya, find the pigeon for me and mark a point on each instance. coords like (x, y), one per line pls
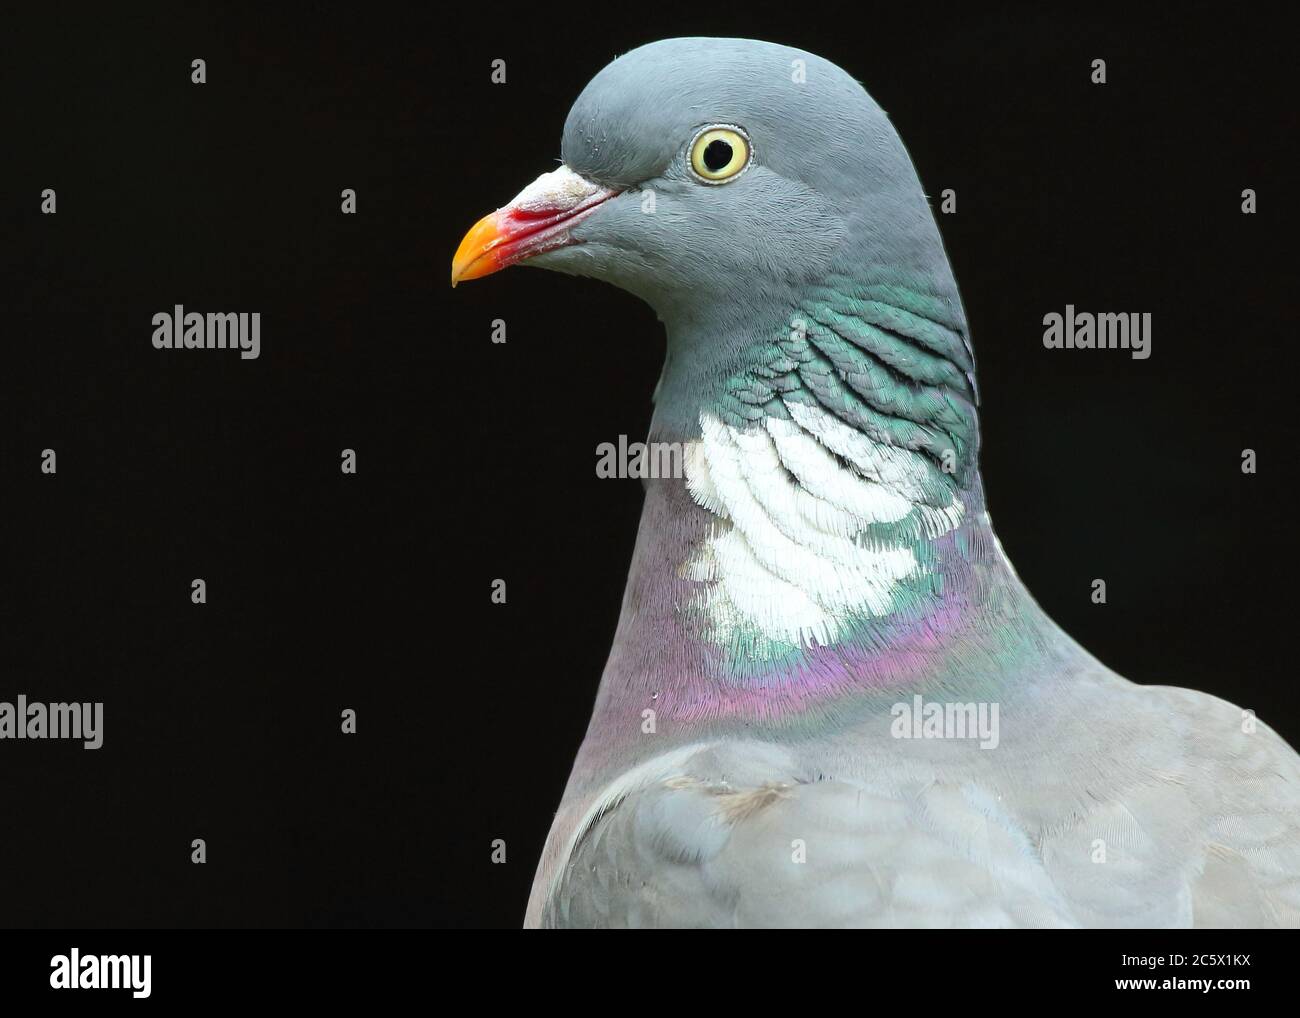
(830, 701)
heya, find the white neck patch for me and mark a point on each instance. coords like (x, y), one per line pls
(788, 559)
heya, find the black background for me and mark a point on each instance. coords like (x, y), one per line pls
(476, 461)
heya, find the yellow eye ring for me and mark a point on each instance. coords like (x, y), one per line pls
(719, 153)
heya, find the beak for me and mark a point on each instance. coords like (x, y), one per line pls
(539, 219)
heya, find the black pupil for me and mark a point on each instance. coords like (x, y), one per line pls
(717, 154)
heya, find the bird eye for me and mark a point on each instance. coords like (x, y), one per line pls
(719, 153)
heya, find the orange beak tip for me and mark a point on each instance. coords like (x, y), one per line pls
(473, 258)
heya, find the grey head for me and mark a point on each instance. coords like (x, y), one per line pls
(824, 227)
